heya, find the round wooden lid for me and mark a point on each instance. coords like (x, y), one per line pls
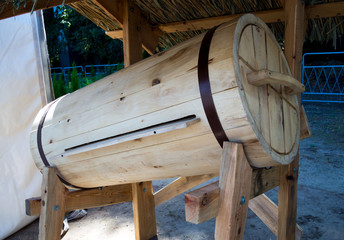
(271, 107)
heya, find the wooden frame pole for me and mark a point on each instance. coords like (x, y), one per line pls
(143, 199)
(52, 205)
(287, 196)
(235, 188)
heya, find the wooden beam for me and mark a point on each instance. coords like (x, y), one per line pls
(235, 181)
(287, 194)
(325, 10)
(144, 211)
(53, 205)
(116, 10)
(201, 204)
(269, 16)
(267, 211)
(179, 186)
(118, 34)
(85, 199)
(10, 11)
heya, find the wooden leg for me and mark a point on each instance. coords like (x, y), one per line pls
(144, 211)
(235, 186)
(53, 206)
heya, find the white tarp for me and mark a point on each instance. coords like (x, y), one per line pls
(20, 99)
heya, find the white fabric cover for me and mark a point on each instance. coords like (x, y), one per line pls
(20, 100)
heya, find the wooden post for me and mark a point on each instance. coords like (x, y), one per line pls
(143, 199)
(287, 196)
(53, 205)
(235, 186)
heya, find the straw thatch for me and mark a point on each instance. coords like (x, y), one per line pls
(167, 11)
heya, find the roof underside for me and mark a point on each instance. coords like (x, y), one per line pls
(159, 12)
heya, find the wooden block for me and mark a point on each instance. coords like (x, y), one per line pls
(305, 130)
(235, 181)
(85, 199)
(267, 211)
(179, 186)
(202, 204)
(53, 205)
(198, 210)
(144, 211)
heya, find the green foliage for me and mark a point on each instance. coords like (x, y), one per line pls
(74, 79)
(59, 86)
(86, 43)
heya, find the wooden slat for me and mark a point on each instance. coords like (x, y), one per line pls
(10, 11)
(138, 134)
(269, 16)
(235, 181)
(267, 211)
(179, 186)
(144, 211)
(53, 205)
(85, 199)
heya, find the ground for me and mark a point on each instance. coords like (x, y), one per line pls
(320, 195)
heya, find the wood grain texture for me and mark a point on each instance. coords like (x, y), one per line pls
(178, 186)
(85, 199)
(235, 181)
(287, 195)
(267, 211)
(202, 204)
(53, 205)
(144, 211)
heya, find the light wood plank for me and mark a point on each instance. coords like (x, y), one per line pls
(235, 181)
(265, 76)
(144, 211)
(179, 186)
(287, 195)
(85, 199)
(53, 205)
(267, 211)
(202, 204)
(118, 34)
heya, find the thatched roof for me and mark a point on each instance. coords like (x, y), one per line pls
(158, 12)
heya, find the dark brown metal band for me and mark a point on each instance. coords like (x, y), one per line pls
(40, 146)
(205, 89)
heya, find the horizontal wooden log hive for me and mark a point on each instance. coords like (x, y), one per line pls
(152, 120)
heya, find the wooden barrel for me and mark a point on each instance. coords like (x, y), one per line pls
(159, 118)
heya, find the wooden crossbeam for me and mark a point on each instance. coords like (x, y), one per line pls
(149, 34)
(202, 204)
(179, 186)
(269, 16)
(85, 199)
(305, 130)
(10, 11)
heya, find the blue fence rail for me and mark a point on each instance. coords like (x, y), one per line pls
(97, 71)
(324, 82)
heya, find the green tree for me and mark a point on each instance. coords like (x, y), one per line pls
(86, 43)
